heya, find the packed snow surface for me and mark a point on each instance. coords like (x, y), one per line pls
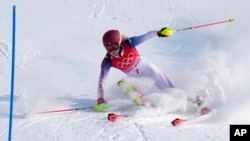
(59, 51)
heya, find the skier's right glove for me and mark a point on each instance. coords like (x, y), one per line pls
(101, 105)
(166, 32)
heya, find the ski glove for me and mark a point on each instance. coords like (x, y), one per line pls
(101, 107)
(166, 32)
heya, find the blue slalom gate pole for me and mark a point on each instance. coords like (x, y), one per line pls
(12, 72)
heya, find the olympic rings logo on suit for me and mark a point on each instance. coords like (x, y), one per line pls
(126, 61)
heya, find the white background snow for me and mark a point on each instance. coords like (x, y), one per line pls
(58, 56)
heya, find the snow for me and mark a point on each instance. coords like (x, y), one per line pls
(58, 56)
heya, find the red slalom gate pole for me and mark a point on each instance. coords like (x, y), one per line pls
(204, 25)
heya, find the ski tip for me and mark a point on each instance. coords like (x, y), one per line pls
(205, 111)
(113, 117)
(119, 83)
(177, 121)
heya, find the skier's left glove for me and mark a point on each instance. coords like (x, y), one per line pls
(166, 32)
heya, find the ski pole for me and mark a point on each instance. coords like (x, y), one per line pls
(204, 25)
(63, 110)
(169, 31)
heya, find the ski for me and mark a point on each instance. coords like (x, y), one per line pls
(140, 99)
(113, 117)
(178, 121)
(204, 114)
(132, 92)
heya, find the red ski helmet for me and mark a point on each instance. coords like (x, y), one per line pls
(111, 37)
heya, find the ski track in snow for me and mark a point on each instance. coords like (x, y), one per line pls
(140, 132)
(59, 52)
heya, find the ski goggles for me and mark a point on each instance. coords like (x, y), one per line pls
(112, 47)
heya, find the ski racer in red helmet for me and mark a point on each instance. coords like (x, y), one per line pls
(123, 55)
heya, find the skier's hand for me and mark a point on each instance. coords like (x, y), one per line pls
(166, 32)
(102, 107)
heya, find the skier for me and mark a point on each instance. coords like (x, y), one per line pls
(123, 55)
